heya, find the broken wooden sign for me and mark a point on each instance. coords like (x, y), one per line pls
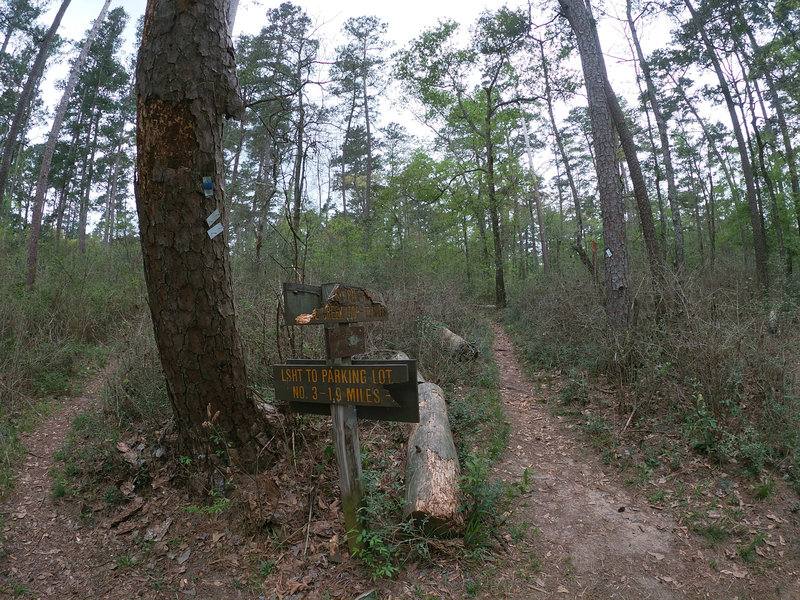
(331, 303)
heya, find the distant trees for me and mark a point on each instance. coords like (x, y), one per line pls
(16, 125)
(357, 76)
(50, 147)
(436, 72)
(316, 178)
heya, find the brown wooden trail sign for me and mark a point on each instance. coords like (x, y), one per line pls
(341, 387)
(401, 385)
(346, 384)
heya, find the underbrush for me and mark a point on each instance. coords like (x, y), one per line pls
(710, 368)
(129, 443)
(51, 334)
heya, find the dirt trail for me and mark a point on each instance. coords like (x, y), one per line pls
(599, 539)
(577, 533)
(45, 549)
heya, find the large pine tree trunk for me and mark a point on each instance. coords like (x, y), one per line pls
(634, 169)
(186, 83)
(618, 302)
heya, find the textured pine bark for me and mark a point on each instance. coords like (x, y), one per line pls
(186, 83)
(616, 261)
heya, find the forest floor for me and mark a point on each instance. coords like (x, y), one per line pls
(579, 528)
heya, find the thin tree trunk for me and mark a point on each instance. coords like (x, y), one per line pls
(236, 158)
(578, 245)
(60, 207)
(367, 125)
(537, 201)
(344, 146)
(759, 241)
(661, 124)
(86, 197)
(494, 208)
(712, 226)
(709, 139)
(50, 147)
(780, 114)
(297, 189)
(25, 100)
(111, 193)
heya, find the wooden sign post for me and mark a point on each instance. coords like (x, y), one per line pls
(384, 390)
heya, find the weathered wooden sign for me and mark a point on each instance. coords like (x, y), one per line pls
(344, 388)
(379, 390)
(331, 303)
(344, 384)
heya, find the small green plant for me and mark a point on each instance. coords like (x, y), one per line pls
(748, 552)
(220, 504)
(113, 496)
(599, 433)
(386, 540)
(484, 503)
(59, 489)
(265, 567)
(764, 489)
(380, 557)
(126, 561)
(713, 532)
(658, 497)
(518, 531)
(533, 563)
(16, 589)
(472, 589)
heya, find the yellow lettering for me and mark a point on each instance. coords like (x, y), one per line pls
(291, 375)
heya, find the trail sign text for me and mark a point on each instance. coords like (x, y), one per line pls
(402, 389)
(342, 384)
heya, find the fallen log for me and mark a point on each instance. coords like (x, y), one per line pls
(432, 469)
(433, 491)
(457, 345)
